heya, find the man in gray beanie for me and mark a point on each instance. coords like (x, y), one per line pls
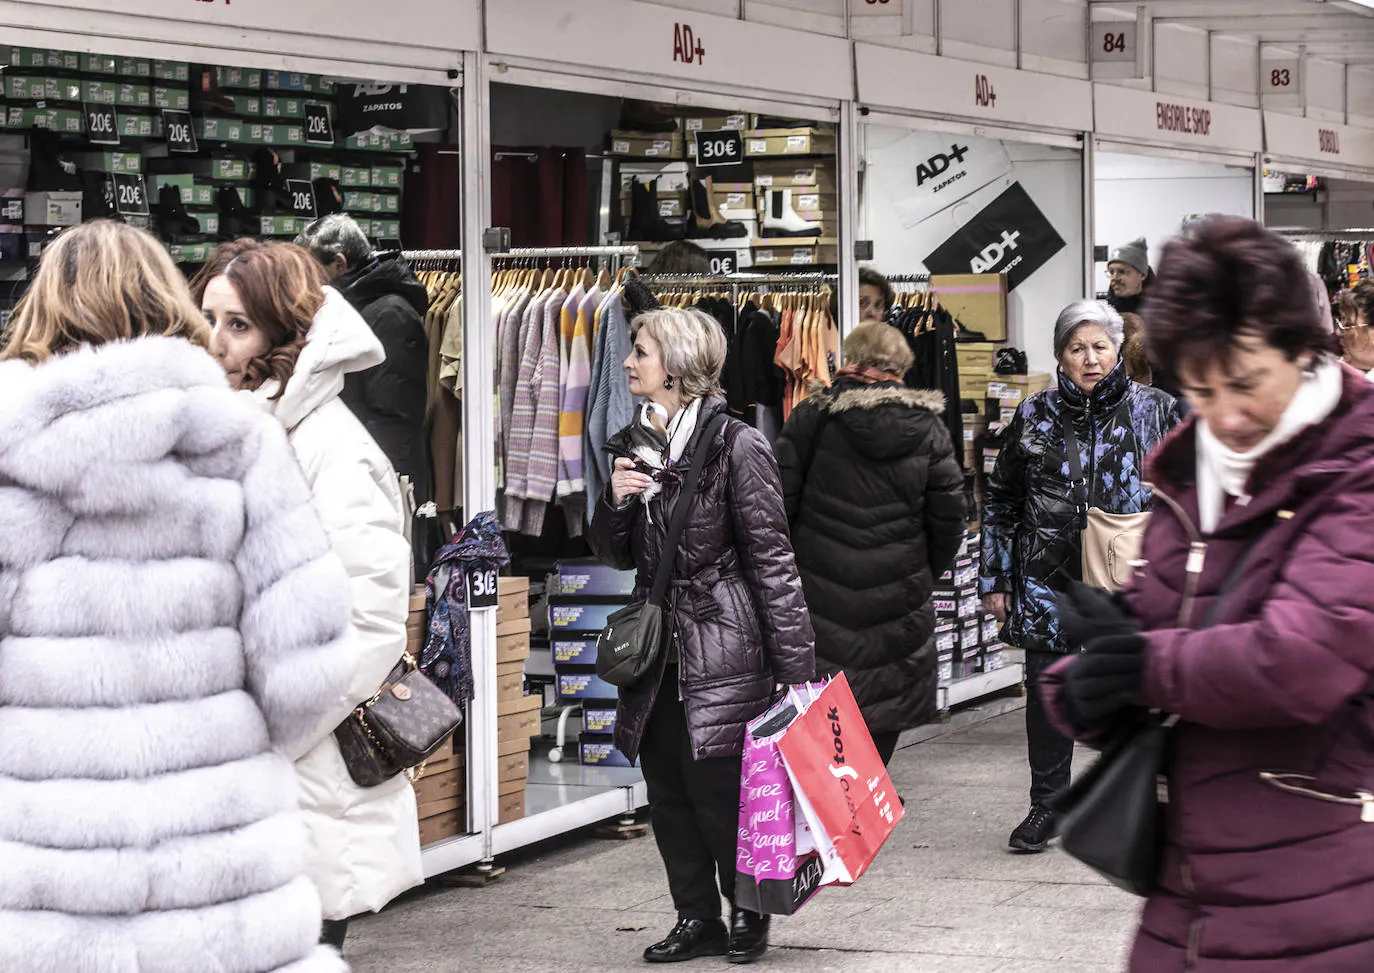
(1129, 270)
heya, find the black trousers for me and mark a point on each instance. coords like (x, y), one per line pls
(886, 744)
(694, 807)
(1051, 754)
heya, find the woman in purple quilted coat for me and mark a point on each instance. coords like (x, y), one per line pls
(1251, 621)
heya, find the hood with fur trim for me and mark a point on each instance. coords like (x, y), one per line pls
(340, 342)
(884, 420)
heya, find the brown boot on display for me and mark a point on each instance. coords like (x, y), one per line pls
(707, 223)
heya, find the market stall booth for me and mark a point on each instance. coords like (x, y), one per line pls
(1161, 161)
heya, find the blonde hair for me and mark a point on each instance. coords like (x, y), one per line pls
(692, 346)
(100, 282)
(879, 346)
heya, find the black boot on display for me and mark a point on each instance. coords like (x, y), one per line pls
(334, 933)
(328, 197)
(273, 199)
(646, 224)
(1034, 833)
(48, 171)
(173, 222)
(206, 95)
(748, 936)
(97, 196)
(234, 219)
(689, 939)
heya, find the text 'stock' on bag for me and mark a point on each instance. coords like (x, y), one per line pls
(777, 866)
(839, 782)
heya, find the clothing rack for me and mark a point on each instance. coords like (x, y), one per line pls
(615, 255)
(908, 278)
(1356, 235)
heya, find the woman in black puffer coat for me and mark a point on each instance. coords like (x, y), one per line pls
(876, 503)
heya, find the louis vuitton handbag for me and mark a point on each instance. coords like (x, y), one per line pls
(400, 727)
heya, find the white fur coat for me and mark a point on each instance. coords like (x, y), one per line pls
(173, 630)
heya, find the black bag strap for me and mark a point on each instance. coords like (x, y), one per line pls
(677, 521)
(1077, 480)
(1232, 582)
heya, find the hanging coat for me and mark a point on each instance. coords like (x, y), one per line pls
(876, 505)
(1253, 878)
(173, 632)
(1031, 525)
(364, 841)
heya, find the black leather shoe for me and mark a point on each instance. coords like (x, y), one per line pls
(689, 939)
(748, 935)
(1034, 833)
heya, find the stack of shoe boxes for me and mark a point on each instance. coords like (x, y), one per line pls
(11, 225)
(583, 594)
(440, 784)
(963, 631)
(237, 113)
(517, 715)
(797, 202)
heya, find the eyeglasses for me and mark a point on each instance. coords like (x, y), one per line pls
(1355, 335)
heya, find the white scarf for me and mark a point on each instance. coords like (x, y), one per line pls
(680, 429)
(1222, 472)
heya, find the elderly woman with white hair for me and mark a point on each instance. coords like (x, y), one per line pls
(1078, 445)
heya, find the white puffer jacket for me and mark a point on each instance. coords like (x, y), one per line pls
(173, 631)
(364, 842)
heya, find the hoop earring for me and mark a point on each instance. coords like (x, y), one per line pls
(668, 383)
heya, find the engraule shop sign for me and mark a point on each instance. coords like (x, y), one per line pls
(1152, 117)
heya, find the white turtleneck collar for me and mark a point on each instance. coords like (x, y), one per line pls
(1222, 472)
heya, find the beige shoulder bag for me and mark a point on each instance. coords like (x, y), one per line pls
(1110, 542)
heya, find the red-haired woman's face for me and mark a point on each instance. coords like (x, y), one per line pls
(235, 339)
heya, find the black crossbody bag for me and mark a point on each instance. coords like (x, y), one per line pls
(630, 644)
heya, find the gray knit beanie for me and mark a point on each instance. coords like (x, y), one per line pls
(1080, 313)
(1134, 254)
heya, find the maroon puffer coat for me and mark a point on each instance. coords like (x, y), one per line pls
(1257, 879)
(735, 608)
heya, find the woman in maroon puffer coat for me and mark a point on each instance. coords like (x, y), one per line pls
(1268, 493)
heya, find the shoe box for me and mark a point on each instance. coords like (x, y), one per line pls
(690, 123)
(52, 209)
(583, 685)
(599, 751)
(807, 176)
(772, 143)
(963, 573)
(11, 225)
(791, 253)
(591, 579)
(1012, 390)
(647, 145)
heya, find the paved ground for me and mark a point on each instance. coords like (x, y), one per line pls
(945, 896)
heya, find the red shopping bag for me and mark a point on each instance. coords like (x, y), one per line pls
(839, 783)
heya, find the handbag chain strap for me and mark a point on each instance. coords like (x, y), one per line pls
(677, 521)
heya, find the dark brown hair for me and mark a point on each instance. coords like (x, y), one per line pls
(1362, 301)
(1225, 278)
(869, 276)
(282, 289)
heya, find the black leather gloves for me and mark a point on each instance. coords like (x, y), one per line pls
(1105, 680)
(1087, 613)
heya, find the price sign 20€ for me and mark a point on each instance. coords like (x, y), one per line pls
(483, 589)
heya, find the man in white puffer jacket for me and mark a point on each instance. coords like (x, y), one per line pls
(364, 847)
(174, 630)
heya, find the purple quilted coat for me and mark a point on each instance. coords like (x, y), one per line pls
(1257, 878)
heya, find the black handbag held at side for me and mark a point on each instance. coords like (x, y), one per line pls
(1112, 817)
(399, 728)
(629, 646)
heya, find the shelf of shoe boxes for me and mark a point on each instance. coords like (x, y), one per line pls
(791, 186)
(967, 639)
(441, 784)
(583, 594)
(218, 196)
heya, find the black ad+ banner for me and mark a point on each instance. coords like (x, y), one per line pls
(394, 107)
(1010, 236)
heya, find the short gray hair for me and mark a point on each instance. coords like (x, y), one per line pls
(692, 346)
(336, 235)
(1080, 313)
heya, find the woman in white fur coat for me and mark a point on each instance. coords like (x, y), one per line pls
(173, 633)
(279, 331)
